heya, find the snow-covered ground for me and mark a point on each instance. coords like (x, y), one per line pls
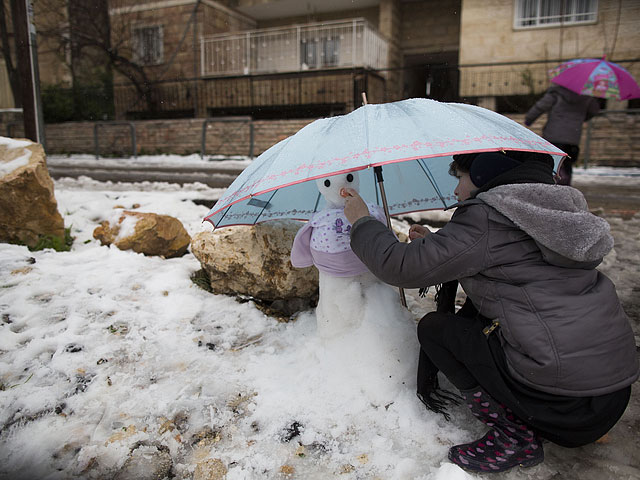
(108, 358)
(167, 160)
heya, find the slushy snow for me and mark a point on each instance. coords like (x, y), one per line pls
(105, 353)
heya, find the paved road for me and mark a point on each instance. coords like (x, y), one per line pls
(210, 175)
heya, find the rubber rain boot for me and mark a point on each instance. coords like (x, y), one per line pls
(507, 444)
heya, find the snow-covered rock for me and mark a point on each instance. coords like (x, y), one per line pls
(147, 233)
(28, 207)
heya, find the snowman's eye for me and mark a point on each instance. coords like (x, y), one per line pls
(327, 183)
(349, 178)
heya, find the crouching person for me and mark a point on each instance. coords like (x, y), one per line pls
(542, 348)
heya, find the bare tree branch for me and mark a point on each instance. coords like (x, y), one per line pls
(83, 29)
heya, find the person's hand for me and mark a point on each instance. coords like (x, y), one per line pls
(418, 231)
(354, 208)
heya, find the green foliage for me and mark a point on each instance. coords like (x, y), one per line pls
(519, 103)
(156, 151)
(4, 386)
(118, 329)
(202, 280)
(57, 104)
(92, 102)
(59, 244)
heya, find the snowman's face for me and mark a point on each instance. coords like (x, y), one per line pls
(330, 187)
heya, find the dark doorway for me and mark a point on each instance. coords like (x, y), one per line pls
(432, 76)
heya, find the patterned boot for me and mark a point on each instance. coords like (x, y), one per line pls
(508, 443)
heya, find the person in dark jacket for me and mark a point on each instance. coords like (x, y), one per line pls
(542, 348)
(567, 111)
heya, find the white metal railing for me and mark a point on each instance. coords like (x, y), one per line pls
(339, 44)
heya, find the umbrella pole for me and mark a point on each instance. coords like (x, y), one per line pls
(378, 171)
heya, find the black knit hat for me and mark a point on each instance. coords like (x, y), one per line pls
(489, 165)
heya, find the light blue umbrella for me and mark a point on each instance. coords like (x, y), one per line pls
(412, 140)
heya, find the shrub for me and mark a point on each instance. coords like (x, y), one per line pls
(59, 244)
(82, 102)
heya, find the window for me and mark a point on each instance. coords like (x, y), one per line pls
(543, 13)
(147, 45)
(319, 52)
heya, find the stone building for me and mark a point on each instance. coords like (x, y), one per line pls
(508, 46)
(211, 58)
(275, 58)
(52, 65)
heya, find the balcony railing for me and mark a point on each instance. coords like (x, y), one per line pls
(327, 45)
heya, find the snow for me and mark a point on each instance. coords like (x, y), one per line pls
(127, 226)
(10, 166)
(193, 160)
(103, 351)
(21, 161)
(11, 143)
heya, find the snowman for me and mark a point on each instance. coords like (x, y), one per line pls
(324, 242)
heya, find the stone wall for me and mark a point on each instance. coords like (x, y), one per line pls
(182, 136)
(181, 53)
(11, 124)
(614, 137)
(6, 95)
(173, 18)
(430, 26)
(390, 27)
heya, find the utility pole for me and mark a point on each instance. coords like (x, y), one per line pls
(27, 55)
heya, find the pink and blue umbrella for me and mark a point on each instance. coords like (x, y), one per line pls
(413, 141)
(596, 78)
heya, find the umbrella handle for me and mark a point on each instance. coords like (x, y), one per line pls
(378, 172)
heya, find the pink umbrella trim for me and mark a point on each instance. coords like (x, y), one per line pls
(415, 146)
(229, 203)
(292, 214)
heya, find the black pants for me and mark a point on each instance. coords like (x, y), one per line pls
(566, 170)
(456, 345)
(445, 347)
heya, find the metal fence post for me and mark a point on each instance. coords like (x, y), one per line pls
(251, 138)
(587, 149)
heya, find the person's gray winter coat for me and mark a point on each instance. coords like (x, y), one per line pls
(567, 112)
(525, 254)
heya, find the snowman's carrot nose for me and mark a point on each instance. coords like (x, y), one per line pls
(344, 193)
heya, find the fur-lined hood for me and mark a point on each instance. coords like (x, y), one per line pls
(557, 218)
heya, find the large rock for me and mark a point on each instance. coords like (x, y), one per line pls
(254, 261)
(147, 233)
(28, 207)
(210, 469)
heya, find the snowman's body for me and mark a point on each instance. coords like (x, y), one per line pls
(324, 242)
